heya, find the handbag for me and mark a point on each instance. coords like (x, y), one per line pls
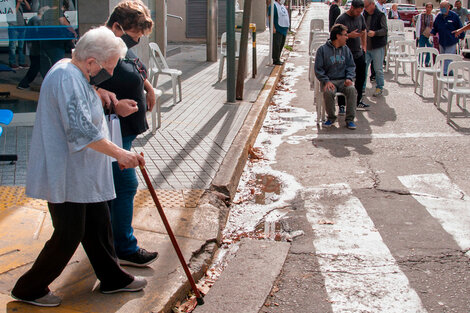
(114, 127)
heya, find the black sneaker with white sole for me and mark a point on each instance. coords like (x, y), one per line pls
(139, 259)
(362, 106)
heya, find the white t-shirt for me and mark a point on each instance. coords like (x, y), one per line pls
(69, 117)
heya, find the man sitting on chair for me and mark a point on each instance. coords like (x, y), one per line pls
(336, 70)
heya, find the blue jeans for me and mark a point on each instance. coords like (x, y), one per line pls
(450, 49)
(376, 55)
(122, 208)
(423, 41)
(16, 36)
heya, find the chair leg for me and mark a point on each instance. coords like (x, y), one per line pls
(173, 83)
(422, 83)
(397, 66)
(181, 91)
(221, 67)
(439, 93)
(449, 104)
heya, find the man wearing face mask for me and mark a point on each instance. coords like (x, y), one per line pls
(447, 22)
(130, 20)
(281, 26)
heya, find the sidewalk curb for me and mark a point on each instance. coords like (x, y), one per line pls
(227, 178)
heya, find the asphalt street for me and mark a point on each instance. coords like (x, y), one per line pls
(385, 208)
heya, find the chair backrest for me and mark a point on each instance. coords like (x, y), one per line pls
(315, 45)
(441, 58)
(5, 116)
(317, 24)
(461, 74)
(156, 57)
(396, 25)
(406, 48)
(223, 44)
(421, 55)
(319, 37)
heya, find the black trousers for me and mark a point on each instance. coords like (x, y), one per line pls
(360, 78)
(32, 71)
(278, 43)
(88, 223)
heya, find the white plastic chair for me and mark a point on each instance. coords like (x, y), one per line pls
(223, 51)
(158, 65)
(320, 37)
(320, 103)
(421, 68)
(392, 51)
(459, 84)
(317, 24)
(440, 77)
(406, 53)
(466, 45)
(396, 27)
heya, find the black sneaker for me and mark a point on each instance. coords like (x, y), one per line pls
(139, 259)
(342, 110)
(372, 79)
(363, 106)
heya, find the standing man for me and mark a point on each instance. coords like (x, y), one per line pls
(281, 26)
(376, 23)
(447, 22)
(461, 12)
(16, 34)
(357, 43)
(335, 69)
(334, 13)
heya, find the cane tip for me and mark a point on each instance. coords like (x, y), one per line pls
(200, 301)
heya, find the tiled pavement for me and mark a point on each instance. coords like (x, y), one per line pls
(196, 133)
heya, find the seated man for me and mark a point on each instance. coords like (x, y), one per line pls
(336, 70)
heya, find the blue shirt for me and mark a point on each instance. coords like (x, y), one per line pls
(279, 29)
(444, 26)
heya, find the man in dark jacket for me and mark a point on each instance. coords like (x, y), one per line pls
(334, 13)
(357, 43)
(335, 69)
(376, 23)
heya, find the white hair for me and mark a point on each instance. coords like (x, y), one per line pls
(99, 43)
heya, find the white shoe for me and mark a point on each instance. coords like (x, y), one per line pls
(137, 284)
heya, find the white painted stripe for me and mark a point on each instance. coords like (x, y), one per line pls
(384, 136)
(360, 273)
(445, 202)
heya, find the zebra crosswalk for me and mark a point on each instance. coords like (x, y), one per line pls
(360, 273)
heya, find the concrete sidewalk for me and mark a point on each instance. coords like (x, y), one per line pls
(201, 138)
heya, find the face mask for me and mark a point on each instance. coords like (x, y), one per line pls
(443, 10)
(99, 78)
(128, 40)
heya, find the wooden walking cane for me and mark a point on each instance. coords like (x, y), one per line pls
(199, 298)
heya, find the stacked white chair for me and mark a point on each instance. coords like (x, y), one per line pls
(223, 51)
(392, 51)
(459, 84)
(421, 68)
(406, 53)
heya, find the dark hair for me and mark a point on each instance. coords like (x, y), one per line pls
(131, 15)
(336, 30)
(357, 4)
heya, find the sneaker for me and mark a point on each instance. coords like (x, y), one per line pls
(342, 110)
(14, 66)
(362, 105)
(137, 284)
(378, 92)
(350, 125)
(23, 87)
(372, 79)
(139, 259)
(328, 123)
(24, 65)
(48, 300)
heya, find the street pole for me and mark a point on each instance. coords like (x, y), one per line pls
(230, 20)
(161, 25)
(211, 40)
(290, 13)
(242, 58)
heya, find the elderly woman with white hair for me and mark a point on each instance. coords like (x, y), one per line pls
(69, 166)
